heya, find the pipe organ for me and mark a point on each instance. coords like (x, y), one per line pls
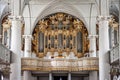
(60, 33)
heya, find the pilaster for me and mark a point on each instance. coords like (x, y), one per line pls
(50, 76)
(92, 51)
(27, 50)
(69, 76)
(27, 53)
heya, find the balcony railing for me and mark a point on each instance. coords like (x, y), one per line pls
(5, 55)
(5, 60)
(82, 64)
(114, 54)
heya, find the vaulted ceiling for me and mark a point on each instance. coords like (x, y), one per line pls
(113, 9)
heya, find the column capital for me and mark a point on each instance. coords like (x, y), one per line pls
(18, 18)
(92, 36)
(27, 36)
(103, 18)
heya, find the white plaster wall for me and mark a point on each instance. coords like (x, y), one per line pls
(30, 14)
(39, 10)
(3, 9)
(22, 54)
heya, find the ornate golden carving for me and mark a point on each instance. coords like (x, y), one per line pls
(56, 25)
(60, 16)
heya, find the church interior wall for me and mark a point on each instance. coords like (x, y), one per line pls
(36, 10)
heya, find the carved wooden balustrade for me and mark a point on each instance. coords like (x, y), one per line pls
(82, 64)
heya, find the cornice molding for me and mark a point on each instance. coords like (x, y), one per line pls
(16, 18)
(27, 36)
(103, 18)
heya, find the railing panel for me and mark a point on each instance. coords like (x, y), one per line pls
(89, 63)
(5, 60)
(114, 54)
(5, 55)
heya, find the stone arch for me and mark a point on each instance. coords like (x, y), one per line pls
(57, 6)
(114, 11)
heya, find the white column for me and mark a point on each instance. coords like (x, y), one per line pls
(27, 53)
(104, 67)
(69, 76)
(26, 75)
(50, 76)
(93, 75)
(27, 50)
(16, 48)
(92, 39)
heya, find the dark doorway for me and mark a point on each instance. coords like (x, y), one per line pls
(60, 78)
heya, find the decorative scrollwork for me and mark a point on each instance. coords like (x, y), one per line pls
(60, 33)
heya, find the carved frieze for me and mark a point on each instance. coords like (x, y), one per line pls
(61, 64)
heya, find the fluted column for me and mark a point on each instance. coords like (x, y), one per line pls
(92, 39)
(104, 67)
(69, 76)
(27, 53)
(50, 76)
(16, 48)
